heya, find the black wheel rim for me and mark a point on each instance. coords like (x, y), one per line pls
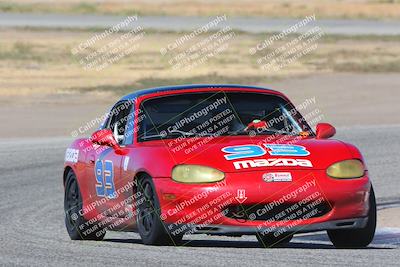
(147, 213)
(72, 201)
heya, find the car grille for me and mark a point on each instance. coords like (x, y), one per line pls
(282, 212)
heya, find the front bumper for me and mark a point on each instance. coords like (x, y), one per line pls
(265, 206)
(244, 230)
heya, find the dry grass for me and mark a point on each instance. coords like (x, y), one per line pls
(371, 9)
(41, 62)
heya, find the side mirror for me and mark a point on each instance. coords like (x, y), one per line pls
(325, 130)
(105, 137)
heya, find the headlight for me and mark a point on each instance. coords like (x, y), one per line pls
(196, 174)
(352, 168)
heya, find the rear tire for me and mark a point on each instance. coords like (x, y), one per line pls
(150, 226)
(357, 238)
(77, 226)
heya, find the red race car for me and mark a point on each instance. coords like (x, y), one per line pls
(220, 160)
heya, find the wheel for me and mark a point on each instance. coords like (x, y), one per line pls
(269, 240)
(150, 226)
(357, 238)
(77, 226)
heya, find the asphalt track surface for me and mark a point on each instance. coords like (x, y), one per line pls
(32, 229)
(176, 23)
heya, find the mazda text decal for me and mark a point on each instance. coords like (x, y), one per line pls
(244, 164)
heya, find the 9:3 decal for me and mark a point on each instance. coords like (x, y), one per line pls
(251, 151)
(104, 173)
(244, 151)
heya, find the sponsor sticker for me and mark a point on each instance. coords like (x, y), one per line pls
(277, 177)
(126, 162)
(72, 155)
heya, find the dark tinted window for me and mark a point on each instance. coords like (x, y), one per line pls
(218, 113)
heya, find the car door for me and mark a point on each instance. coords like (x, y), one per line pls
(106, 171)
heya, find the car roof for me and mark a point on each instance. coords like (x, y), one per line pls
(143, 92)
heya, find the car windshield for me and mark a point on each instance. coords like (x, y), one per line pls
(218, 113)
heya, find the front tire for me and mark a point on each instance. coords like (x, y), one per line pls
(357, 238)
(77, 226)
(150, 226)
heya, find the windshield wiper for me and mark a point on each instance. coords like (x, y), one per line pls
(278, 132)
(187, 134)
(165, 134)
(182, 133)
(271, 131)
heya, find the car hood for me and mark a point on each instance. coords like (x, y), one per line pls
(304, 153)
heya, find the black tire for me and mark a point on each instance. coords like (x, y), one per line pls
(150, 226)
(357, 238)
(269, 240)
(77, 226)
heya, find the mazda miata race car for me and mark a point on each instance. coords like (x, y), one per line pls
(220, 160)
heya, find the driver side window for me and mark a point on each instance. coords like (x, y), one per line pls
(117, 121)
